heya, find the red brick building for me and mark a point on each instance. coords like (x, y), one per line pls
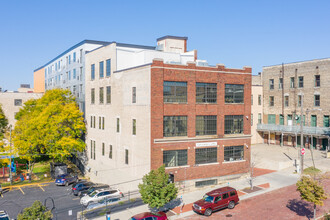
(215, 113)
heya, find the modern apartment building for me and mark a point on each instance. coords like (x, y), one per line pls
(256, 108)
(296, 93)
(67, 71)
(148, 106)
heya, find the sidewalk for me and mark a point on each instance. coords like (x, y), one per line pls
(267, 183)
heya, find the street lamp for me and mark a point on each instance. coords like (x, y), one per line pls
(10, 174)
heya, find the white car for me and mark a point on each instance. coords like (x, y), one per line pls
(98, 195)
(4, 215)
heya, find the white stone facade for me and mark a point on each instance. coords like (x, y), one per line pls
(256, 108)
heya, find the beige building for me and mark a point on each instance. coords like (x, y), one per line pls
(256, 108)
(11, 102)
(287, 89)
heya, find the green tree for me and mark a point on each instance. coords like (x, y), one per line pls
(52, 125)
(311, 191)
(3, 123)
(36, 211)
(155, 190)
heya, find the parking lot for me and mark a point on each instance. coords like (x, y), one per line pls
(65, 206)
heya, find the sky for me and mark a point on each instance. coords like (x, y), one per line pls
(234, 33)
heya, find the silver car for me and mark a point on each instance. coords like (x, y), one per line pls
(98, 195)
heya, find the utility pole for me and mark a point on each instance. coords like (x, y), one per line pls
(301, 135)
(10, 174)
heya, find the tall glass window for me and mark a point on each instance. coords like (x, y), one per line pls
(134, 127)
(317, 81)
(108, 94)
(92, 71)
(316, 100)
(175, 126)
(74, 73)
(101, 95)
(234, 124)
(206, 92)
(74, 57)
(108, 67)
(206, 155)
(271, 84)
(206, 125)
(101, 69)
(301, 81)
(174, 158)
(92, 96)
(175, 91)
(234, 93)
(133, 94)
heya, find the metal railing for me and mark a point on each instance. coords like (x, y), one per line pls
(294, 129)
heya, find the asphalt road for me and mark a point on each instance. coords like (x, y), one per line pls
(16, 200)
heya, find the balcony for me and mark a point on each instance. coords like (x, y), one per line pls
(322, 131)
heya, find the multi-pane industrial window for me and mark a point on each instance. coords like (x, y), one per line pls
(317, 80)
(101, 95)
(175, 126)
(206, 92)
(108, 94)
(271, 100)
(299, 100)
(108, 67)
(126, 156)
(133, 94)
(286, 101)
(301, 82)
(134, 127)
(118, 125)
(234, 124)
(316, 100)
(92, 96)
(206, 125)
(175, 91)
(92, 71)
(259, 99)
(206, 155)
(103, 146)
(233, 153)
(280, 84)
(291, 82)
(175, 158)
(271, 84)
(234, 93)
(101, 69)
(259, 118)
(18, 102)
(110, 151)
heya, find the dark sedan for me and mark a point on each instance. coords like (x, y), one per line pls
(78, 188)
(66, 179)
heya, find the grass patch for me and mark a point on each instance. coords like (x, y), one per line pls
(311, 171)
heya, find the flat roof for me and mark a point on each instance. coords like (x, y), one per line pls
(299, 62)
(74, 47)
(172, 37)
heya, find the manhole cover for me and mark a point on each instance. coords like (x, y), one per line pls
(229, 215)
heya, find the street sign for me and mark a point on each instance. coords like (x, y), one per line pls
(302, 151)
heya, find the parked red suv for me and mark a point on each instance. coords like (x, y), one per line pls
(215, 200)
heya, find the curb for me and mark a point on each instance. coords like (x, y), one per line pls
(22, 185)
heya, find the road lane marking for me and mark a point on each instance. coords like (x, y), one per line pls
(41, 188)
(21, 190)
